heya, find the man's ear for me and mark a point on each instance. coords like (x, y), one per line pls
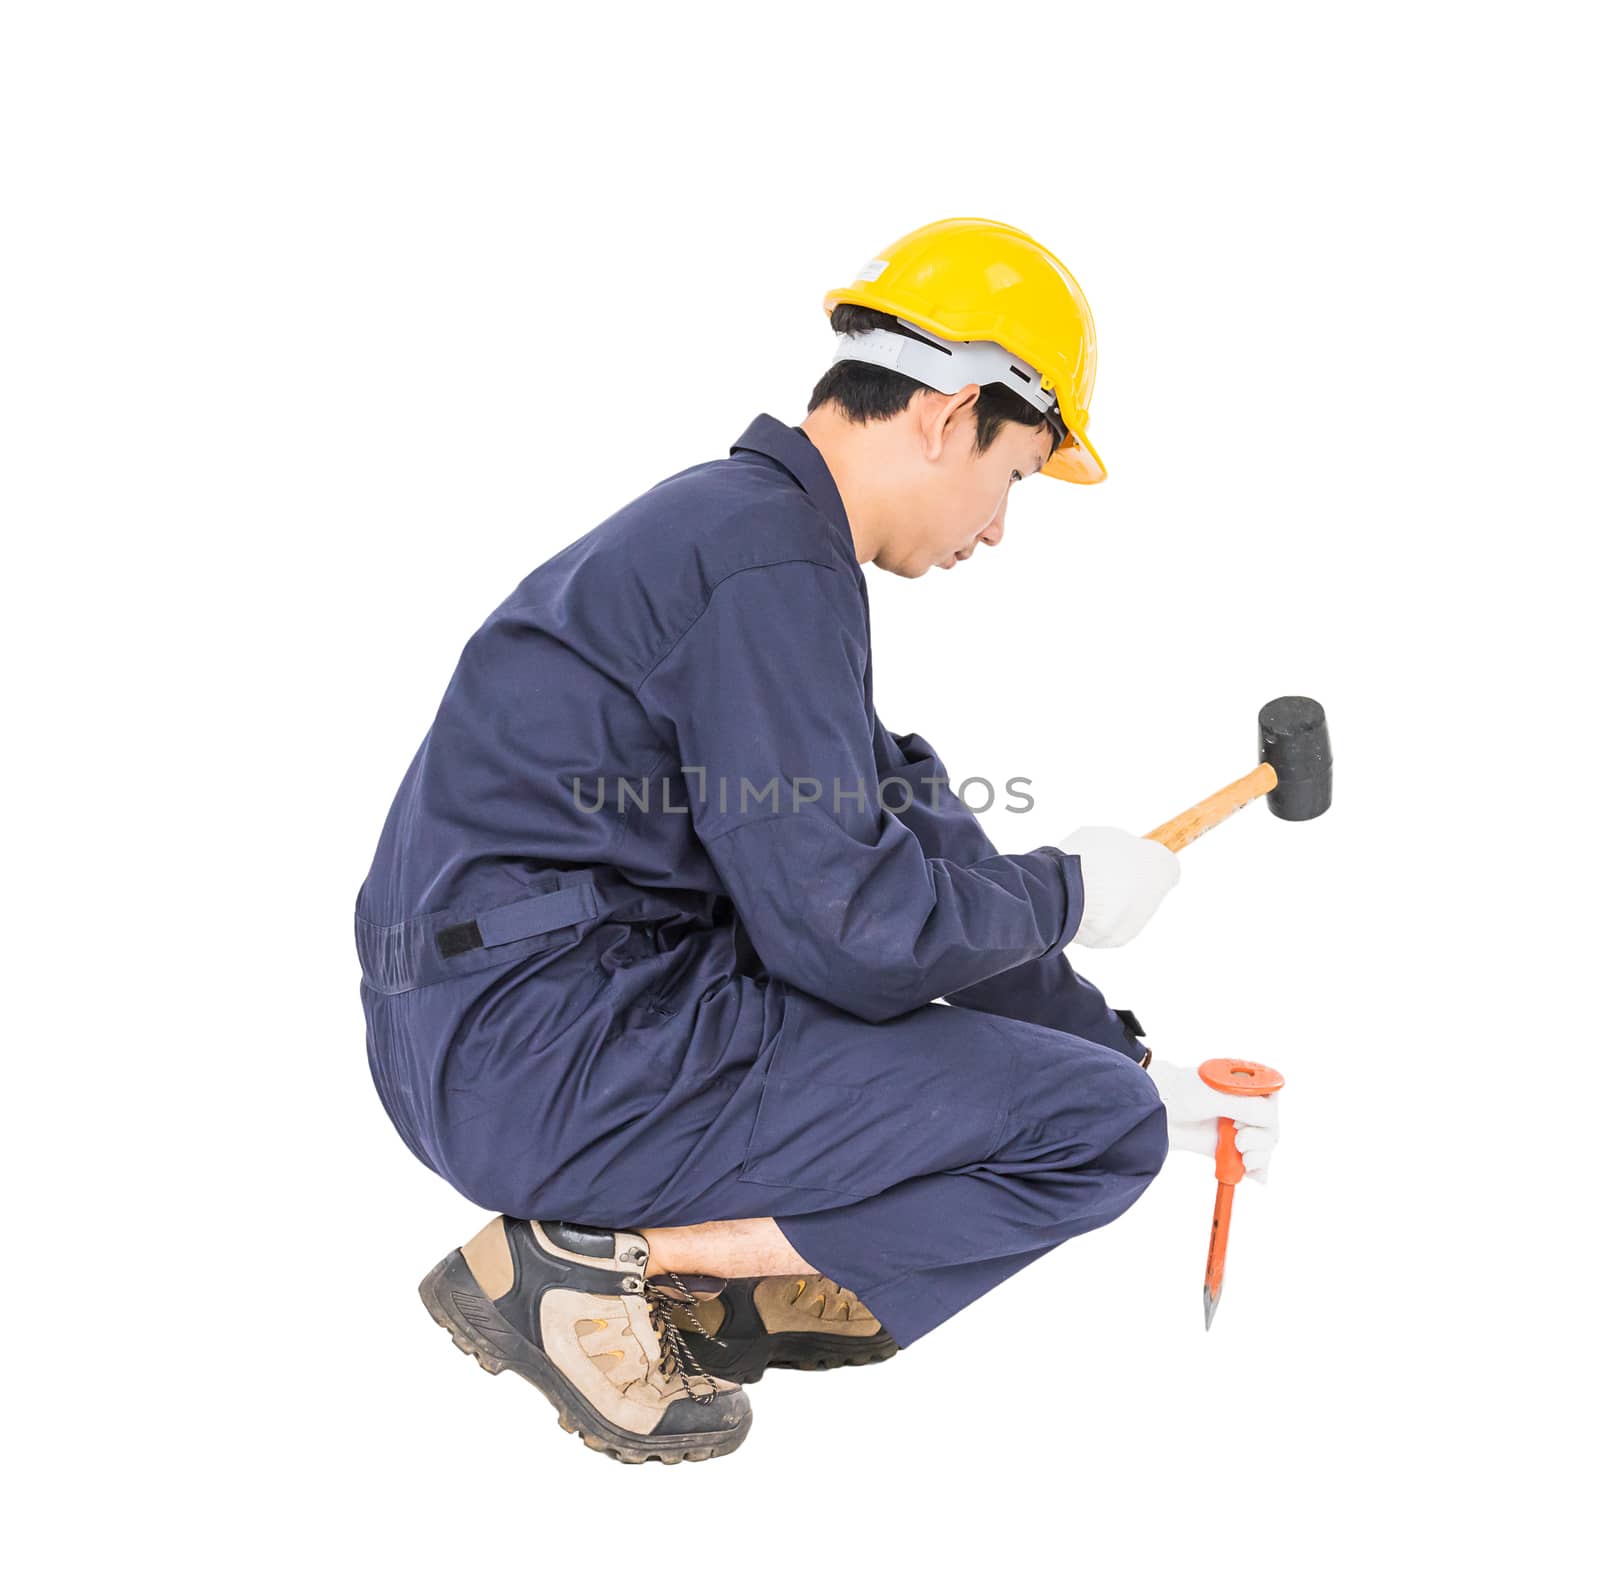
(941, 417)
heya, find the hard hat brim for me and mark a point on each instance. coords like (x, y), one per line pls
(1079, 463)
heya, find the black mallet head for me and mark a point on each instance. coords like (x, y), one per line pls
(1294, 740)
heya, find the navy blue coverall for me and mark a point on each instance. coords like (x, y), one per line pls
(656, 919)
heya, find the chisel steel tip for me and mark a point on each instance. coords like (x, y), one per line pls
(1211, 1305)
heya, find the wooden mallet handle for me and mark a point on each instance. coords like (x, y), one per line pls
(1187, 827)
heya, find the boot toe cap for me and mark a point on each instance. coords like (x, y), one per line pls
(728, 1411)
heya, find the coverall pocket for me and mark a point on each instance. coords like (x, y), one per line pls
(849, 1109)
(807, 1135)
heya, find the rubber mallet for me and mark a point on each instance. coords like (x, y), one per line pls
(1295, 774)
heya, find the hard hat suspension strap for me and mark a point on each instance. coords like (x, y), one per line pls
(947, 365)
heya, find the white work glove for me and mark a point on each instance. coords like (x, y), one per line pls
(1193, 1108)
(1124, 880)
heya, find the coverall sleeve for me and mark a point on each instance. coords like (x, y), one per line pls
(764, 697)
(1046, 991)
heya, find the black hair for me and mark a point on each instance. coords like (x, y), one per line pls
(864, 392)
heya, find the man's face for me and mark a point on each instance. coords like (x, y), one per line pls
(959, 498)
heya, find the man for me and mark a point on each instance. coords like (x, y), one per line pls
(655, 928)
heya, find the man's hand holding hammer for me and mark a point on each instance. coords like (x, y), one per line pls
(1124, 879)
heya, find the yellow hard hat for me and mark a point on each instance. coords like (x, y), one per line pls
(967, 280)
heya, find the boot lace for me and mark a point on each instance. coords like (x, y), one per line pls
(665, 1294)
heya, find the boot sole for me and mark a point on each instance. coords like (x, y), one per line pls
(457, 1304)
(747, 1362)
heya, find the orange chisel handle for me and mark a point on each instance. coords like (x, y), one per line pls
(1217, 1251)
(1230, 1163)
(1230, 1171)
(1244, 1079)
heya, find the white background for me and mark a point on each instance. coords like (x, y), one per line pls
(325, 323)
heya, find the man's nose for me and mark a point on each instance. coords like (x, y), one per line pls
(996, 530)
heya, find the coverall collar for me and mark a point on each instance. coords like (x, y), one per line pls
(793, 450)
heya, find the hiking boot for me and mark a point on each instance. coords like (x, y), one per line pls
(569, 1308)
(784, 1320)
